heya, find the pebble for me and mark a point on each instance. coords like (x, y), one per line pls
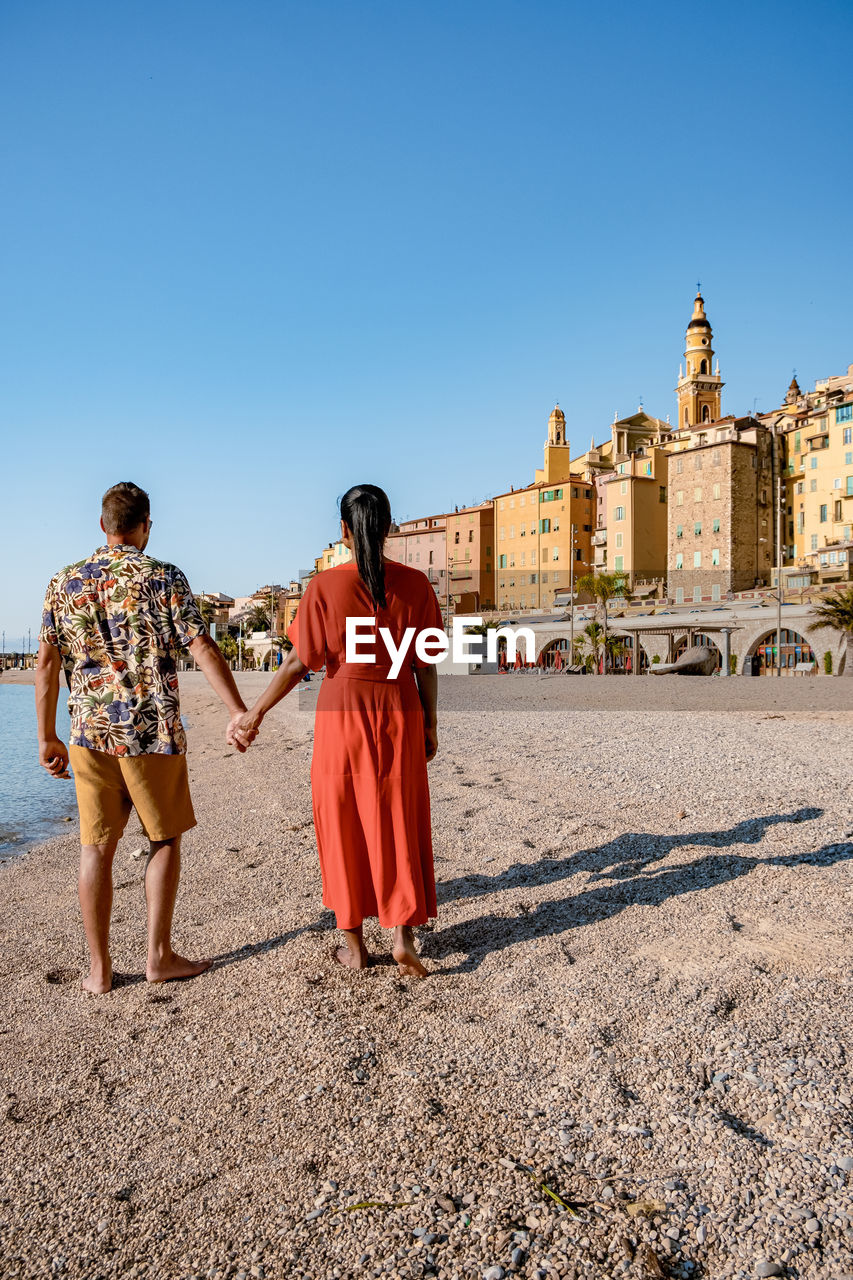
(494, 1273)
(769, 1269)
(846, 1163)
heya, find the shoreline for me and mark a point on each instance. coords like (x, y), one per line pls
(641, 977)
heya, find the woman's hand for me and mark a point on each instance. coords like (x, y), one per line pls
(243, 729)
(430, 740)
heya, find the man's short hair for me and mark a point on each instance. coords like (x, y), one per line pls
(124, 507)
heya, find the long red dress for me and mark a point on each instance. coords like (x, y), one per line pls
(368, 771)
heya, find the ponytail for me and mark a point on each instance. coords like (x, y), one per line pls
(366, 511)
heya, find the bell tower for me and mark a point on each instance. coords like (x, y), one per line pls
(698, 389)
(557, 426)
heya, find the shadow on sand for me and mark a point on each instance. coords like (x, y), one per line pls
(627, 864)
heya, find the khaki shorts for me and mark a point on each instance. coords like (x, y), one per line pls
(156, 786)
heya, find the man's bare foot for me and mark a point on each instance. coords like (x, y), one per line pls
(351, 959)
(174, 968)
(98, 981)
(405, 954)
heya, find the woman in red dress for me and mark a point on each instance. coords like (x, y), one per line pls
(373, 736)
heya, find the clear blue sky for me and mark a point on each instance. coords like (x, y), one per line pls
(254, 253)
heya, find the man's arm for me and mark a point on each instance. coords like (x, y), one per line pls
(208, 655)
(53, 754)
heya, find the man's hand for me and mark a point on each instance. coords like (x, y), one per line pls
(53, 756)
(242, 729)
(430, 741)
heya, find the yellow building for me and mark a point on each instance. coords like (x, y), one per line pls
(815, 429)
(634, 536)
(543, 532)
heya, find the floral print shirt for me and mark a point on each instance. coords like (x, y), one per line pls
(120, 619)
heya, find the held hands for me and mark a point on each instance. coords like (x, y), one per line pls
(243, 729)
(53, 756)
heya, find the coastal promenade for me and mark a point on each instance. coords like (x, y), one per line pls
(631, 1056)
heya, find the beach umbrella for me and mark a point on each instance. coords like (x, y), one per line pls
(558, 661)
(518, 663)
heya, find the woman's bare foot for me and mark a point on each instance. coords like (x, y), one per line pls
(405, 954)
(98, 981)
(173, 968)
(351, 959)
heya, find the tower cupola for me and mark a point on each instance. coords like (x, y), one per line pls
(557, 426)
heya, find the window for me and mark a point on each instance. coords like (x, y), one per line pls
(679, 498)
(715, 555)
(619, 513)
(544, 526)
(836, 514)
(697, 495)
(502, 533)
(823, 513)
(512, 530)
(801, 488)
(848, 459)
(456, 537)
(618, 563)
(715, 457)
(697, 462)
(697, 559)
(716, 527)
(578, 554)
(679, 531)
(716, 491)
(847, 438)
(697, 595)
(813, 463)
(619, 540)
(844, 413)
(544, 555)
(662, 493)
(715, 591)
(814, 542)
(511, 503)
(502, 504)
(850, 486)
(521, 500)
(533, 557)
(679, 561)
(836, 484)
(555, 554)
(797, 442)
(679, 595)
(679, 466)
(623, 488)
(813, 486)
(697, 528)
(522, 561)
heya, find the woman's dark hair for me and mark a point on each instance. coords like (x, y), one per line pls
(366, 511)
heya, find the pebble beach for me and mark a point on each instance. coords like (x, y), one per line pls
(632, 1056)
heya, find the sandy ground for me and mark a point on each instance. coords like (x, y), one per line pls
(632, 1056)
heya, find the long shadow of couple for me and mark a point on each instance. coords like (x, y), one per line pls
(627, 864)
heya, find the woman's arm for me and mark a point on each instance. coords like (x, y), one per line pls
(286, 678)
(427, 682)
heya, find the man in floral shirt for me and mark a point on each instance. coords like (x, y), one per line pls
(115, 624)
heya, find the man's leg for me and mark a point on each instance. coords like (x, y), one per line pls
(162, 874)
(96, 903)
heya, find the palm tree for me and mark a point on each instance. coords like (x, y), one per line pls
(836, 611)
(603, 587)
(228, 646)
(594, 638)
(207, 609)
(258, 618)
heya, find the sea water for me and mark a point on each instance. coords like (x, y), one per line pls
(32, 804)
